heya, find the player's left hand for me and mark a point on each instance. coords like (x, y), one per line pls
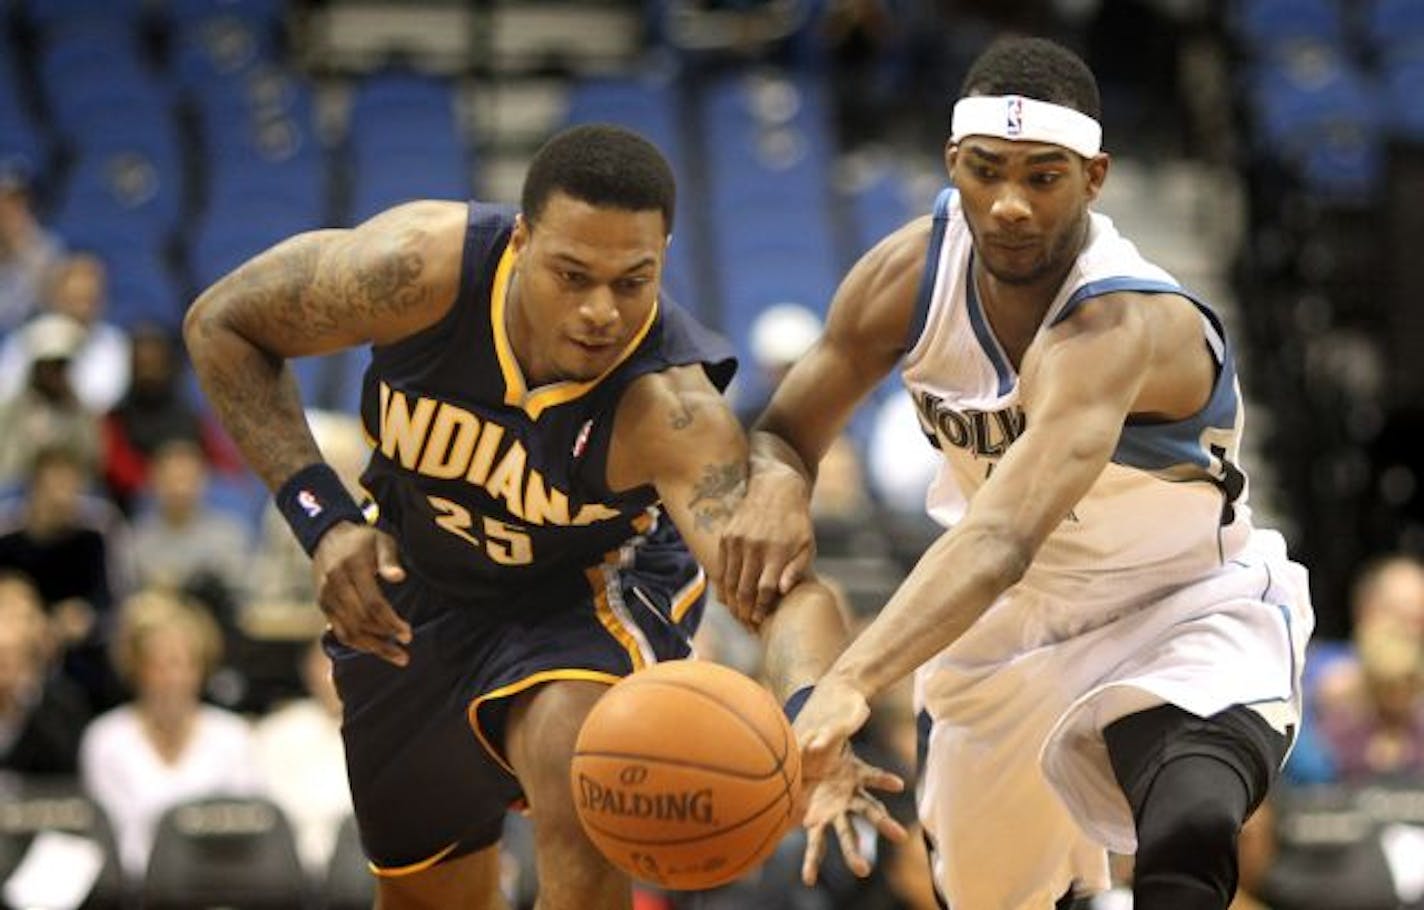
(836, 780)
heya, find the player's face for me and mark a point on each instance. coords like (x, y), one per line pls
(586, 279)
(1026, 203)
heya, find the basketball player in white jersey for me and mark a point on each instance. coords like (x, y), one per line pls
(1108, 653)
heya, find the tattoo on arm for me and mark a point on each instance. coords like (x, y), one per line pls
(681, 415)
(306, 294)
(315, 285)
(716, 495)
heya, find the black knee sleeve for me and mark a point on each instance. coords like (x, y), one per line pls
(1192, 783)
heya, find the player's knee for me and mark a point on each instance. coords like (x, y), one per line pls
(1187, 831)
(543, 728)
(1181, 834)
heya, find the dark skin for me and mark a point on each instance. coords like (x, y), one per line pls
(584, 283)
(1117, 356)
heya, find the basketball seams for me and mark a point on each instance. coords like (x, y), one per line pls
(622, 731)
(678, 763)
(780, 766)
(730, 708)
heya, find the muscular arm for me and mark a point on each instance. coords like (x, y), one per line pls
(1079, 383)
(313, 294)
(675, 431)
(770, 542)
(865, 335)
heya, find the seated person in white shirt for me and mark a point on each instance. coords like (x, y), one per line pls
(166, 746)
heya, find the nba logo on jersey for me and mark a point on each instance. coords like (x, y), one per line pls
(1013, 124)
(582, 441)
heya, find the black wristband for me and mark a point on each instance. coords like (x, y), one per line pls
(313, 501)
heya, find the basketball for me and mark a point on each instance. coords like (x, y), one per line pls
(686, 774)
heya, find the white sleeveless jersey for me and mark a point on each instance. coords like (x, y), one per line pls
(1153, 589)
(1171, 505)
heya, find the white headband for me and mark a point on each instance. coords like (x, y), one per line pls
(1026, 120)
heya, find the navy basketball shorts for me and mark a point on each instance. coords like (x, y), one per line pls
(425, 743)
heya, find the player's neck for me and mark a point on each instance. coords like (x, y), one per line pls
(1017, 309)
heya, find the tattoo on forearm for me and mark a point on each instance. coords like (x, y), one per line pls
(253, 400)
(716, 495)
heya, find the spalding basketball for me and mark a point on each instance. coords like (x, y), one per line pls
(686, 774)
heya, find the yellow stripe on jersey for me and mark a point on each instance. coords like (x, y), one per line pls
(520, 685)
(421, 866)
(603, 609)
(516, 392)
(683, 600)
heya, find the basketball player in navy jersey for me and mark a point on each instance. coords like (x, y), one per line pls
(538, 413)
(1107, 652)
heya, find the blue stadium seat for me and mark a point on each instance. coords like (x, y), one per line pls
(403, 113)
(1268, 27)
(220, 245)
(212, 52)
(1297, 100)
(1396, 29)
(645, 106)
(127, 185)
(54, 16)
(267, 14)
(1404, 99)
(142, 291)
(22, 148)
(405, 178)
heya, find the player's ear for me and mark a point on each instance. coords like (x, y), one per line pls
(951, 155)
(519, 239)
(1096, 169)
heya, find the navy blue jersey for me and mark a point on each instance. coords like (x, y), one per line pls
(493, 489)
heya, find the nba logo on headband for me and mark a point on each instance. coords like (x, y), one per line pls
(1013, 124)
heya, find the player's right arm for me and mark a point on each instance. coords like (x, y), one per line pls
(312, 294)
(768, 544)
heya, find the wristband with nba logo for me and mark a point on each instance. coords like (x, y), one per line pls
(313, 501)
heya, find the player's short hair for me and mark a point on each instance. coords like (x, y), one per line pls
(1035, 68)
(603, 165)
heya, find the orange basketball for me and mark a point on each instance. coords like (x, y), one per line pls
(685, 774)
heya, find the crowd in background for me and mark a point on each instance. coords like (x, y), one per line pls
(158, 636)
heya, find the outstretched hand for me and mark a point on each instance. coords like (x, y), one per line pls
(346, 564)
(837, 782)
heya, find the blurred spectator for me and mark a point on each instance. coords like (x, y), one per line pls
(1381, 733)
(780, 336)
(27, 252)
(1369, 704)
(42, 714)
(166, 746)
(302, 763)
(901, 462)
(181, 543)
(74, 548)
(45, 412)
(152, 412)
(99, 369)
